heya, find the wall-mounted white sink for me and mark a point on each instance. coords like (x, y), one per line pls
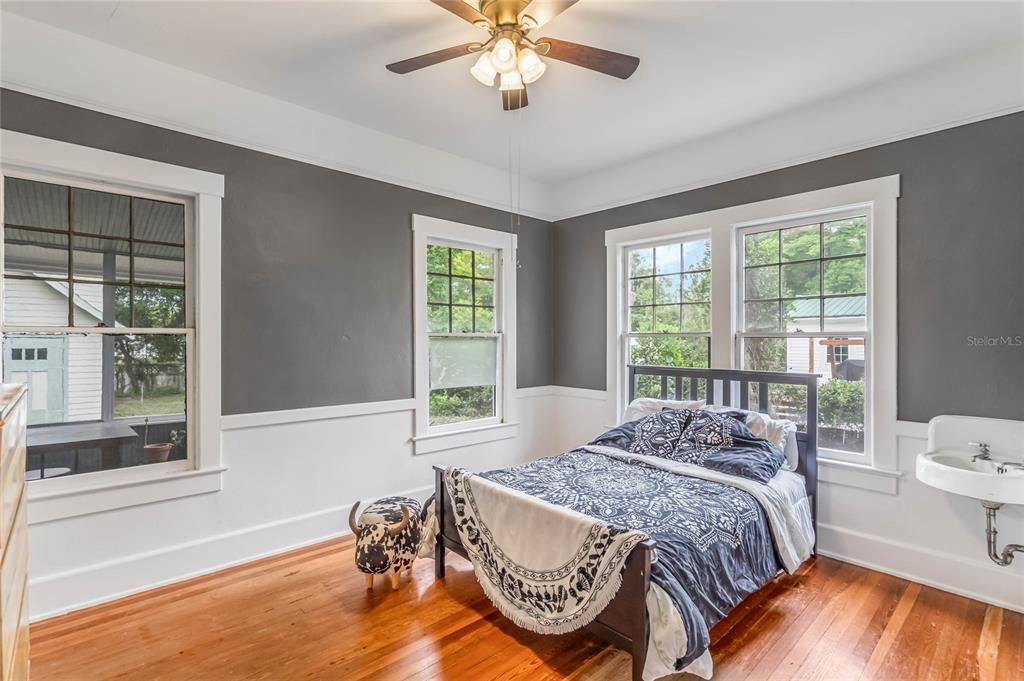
(958, 471)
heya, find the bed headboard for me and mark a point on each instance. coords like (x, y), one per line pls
(720, 388)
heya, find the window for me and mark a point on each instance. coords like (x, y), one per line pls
(465, 309)
(464, 346)
(802, 285)
(668, 317)
(97, 324)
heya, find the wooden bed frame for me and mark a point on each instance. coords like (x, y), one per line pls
(624, 621)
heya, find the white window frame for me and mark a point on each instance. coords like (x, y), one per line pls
(31, 157)
(876, 196)
(864, 210)
(429, 230)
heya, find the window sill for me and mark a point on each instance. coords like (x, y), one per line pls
(438, 442)
(47, 503)
(861, 476)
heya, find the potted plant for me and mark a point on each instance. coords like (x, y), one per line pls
(155, 453)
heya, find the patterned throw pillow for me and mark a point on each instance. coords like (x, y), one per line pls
(658, 434)
(705, 434)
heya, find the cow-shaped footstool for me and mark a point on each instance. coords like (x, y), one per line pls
(387, 537)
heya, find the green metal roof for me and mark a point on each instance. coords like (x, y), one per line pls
(807, 308)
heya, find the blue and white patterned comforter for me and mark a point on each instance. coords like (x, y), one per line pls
(714, 543)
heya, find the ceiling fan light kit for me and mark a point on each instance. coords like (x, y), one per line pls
(511, 54)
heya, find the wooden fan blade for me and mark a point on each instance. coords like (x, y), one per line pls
(430, 58)
(593, 58)
(540, 12)
(514, 99)
(463, 11)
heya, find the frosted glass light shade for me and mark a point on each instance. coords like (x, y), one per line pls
(483, 70)
(511, 81)
(530, 65)
(503, 56)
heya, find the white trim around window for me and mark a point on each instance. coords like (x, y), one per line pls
(428, 230)
(54, 161)
(878, 197)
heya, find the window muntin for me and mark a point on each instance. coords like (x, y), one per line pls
(668, 312)
(463, 343)
(803, 308)
(96, 324)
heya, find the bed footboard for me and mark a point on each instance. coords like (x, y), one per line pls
(623, 622)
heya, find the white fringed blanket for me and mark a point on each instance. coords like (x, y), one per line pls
(547, 568)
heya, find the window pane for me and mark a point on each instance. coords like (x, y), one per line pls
(484, 265)
(37, 254)
(641, 262)
(99, 259)
(760, 283)
(35, 204)
(845, 314)
(158, 307)
(99, 213)
(801, 243)
(761, 316)
(462, 262)
(641, 291)
(158, 264)
(462, 319)
(437, 289)
(801, 279)
(670, 351)
(159, 221)
(697, 317)
(666, 318)
(840, 391)
(803, 314)
(761, 248)
(462, 291)
(846, 275)
(484, 320)
(666, 289)
(697, 287)
(484, 292)
(667, 259)
(101, 305)
(437, 319)
(463, 376)
(437, 259)
(641, 319)
(697, 255)
(65, 383)
(845, 237)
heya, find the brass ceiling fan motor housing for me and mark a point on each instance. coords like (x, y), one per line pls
(504, 13)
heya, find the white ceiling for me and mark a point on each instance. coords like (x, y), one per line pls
(705, 67)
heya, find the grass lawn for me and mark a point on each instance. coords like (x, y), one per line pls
(158, 404)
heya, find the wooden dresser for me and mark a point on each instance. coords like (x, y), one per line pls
(13, 536)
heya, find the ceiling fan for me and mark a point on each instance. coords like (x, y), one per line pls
(509, 54)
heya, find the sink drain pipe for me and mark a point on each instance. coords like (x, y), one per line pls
(1006, 557)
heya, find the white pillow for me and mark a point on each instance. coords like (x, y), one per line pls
(780, 432)
(645, 406)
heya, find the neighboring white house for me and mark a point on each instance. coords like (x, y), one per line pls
(811, 355)
(66, 384)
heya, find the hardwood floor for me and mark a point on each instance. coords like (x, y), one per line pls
(307, 615)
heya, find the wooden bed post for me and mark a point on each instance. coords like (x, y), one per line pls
(439, 509)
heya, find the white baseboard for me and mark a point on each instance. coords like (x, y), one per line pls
(108, 581)
(976, 579)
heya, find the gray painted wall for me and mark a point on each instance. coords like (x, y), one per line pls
(961, 263)
(317, 265)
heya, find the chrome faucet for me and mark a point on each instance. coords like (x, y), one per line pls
(983, 451)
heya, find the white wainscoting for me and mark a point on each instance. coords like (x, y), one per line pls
(290, 481)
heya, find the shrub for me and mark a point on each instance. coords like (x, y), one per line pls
(841, 404)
